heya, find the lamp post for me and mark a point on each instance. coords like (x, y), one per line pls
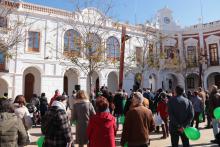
(202, 61)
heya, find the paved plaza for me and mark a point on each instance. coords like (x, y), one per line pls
(204, 141)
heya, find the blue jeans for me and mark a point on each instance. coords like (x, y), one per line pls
(215, 125)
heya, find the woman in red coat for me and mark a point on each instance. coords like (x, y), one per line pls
(162, 109)
(101, 130)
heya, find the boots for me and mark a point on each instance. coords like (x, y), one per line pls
(164, 132)
(157, 129)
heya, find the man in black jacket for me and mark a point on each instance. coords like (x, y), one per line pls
(181, 114)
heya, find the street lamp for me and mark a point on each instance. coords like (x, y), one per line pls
(202, 61)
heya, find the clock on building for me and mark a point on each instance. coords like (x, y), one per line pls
(166, 20)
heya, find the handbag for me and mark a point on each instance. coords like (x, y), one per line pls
(27, 122)
(158, 120)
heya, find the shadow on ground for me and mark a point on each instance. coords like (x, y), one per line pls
(201, 145)
(33, 143)
(36, 134)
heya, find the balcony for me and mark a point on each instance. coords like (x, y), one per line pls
(171, 63)
(213, 63)
(191, 64)
(72, 53)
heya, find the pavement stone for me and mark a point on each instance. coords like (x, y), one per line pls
(204, 141)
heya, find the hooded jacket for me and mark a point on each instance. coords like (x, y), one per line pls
(101, 130)
(12, 131)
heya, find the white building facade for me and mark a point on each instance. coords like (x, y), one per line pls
(38, 63)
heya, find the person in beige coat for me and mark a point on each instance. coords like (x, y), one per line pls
(13, 133)
(81, 113)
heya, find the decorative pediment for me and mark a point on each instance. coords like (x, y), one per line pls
(92, 16)
(92, 11)
(191, 42)
(212, 39)
(169, 42)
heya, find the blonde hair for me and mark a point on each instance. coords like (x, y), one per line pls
(81, 94)
(146, 102)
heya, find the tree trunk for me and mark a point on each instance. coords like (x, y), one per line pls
(90, 84)
(142, 80)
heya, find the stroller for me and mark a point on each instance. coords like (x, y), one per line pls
(33, 113)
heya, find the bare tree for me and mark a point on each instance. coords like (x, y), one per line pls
(145, 55)
(11, 30)
(88, 28)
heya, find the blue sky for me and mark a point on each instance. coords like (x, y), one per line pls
(186, 12)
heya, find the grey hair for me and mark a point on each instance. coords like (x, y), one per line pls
(139, 97)
(214, 88)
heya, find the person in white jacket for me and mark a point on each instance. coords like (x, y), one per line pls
(22, 112)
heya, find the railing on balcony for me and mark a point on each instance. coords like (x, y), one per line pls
(72, 54)
(192, 64)
(213, 63)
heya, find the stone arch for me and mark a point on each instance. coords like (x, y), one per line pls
(3, 87)
(128, 81)
(112, 81)
(31, 82)
(170, 82)
(70, 80)
(192, 81)
(207, 73)
(39, 69)
(152, 82)
(213, 79)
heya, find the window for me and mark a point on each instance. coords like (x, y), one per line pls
(2, 58)
(3, 22)
(113, 47)
(213, 53)
(33, 41)
(191, 56)
(139, 55)
(2, 61)
(72, 41)
(93, 43)
(169, 52)
(190, 83)
(151, 49)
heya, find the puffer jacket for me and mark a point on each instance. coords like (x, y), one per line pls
(12, 131)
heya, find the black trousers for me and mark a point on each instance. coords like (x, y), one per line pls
(175, 134)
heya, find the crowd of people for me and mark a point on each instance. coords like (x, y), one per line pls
(96, 118)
